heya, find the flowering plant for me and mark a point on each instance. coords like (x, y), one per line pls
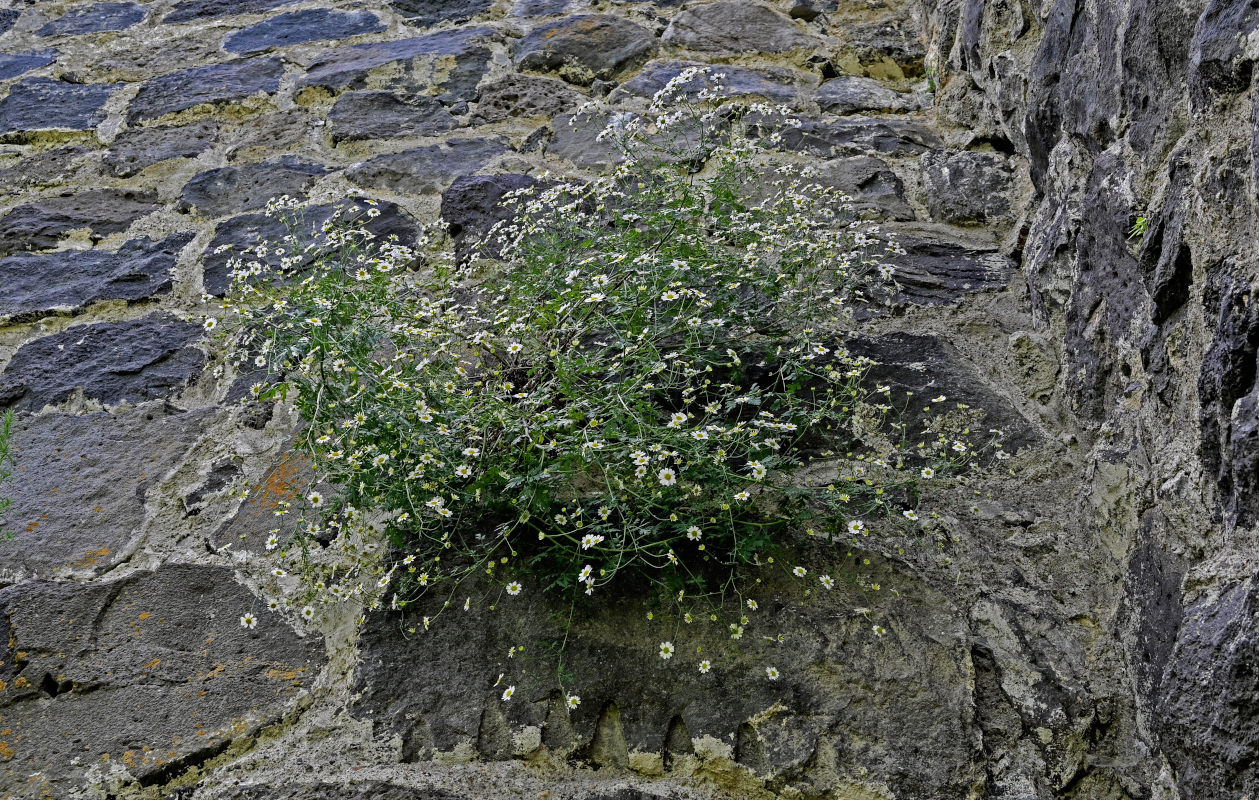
(638, 377)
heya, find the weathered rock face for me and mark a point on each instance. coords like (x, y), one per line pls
(81, 667)
(1081, 628)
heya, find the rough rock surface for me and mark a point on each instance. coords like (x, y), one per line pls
(40, 104)
(736, 26)
(80, 500)
(222, 191)
(82, 666)
(384, 115)
(1083, 627)
(299, 27)
(110, 362)
(42, 224)
(38, 283)
(585, 48)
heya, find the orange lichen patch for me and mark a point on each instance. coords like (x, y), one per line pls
(3, 686)
(283, 674)
(30, 526)
(89, 560)
(153, 663)
(6, 752)
(21, 682)
(98, 509)
(280, 484)
(145, 615)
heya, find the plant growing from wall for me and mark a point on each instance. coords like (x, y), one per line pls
(638, 380)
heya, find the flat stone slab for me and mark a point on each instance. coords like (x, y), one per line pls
(575, 138)
(850, 94)
(524, 96)
(427, 13)
(967, 186)
(471, 206)
(15, 64)
(193, 10)
(43, 223)
(585, 48)
(929, 366)
(427, 169)
(857, 135)
(111, 362)
(387, 115)
(453, 61)
(95, 18)
(153, 673)
(44, 104)
(939, 269)
(243, 232)
(137, 149)
(216, 84)
(80, 485)
(35, 284)
(773, 84)
(869, 182)
(49, 168)
(298, 27)
(229, 190)
(735, 26)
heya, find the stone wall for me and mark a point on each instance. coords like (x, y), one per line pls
(1091, 631)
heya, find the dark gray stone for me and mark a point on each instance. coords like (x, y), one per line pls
(111, 362)
(15, 64)
(8, 18)
(41, 104)
(1221, 62)
(49, 168)
(427, 169)
(967, 186)
(228, 190)
(416, 64)
(773, 84)
(154, 671)
(32, 284)
(523, 96)
(858, 135)
(869, 182)
(427, 13)
(1210, 693)
(736, 26)
(630, 698)
(929, 366)
(575, 138)
(41, 224)
(95, 18)
(1228, 387)
(585, 48)
(848, 94)
(385, 115)
(193, 10)
(297, 27)
(938, 269)
(137, 149)
(241, 233)
(84, 483)
(539, 8)
(470, 207)
(215, 84)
